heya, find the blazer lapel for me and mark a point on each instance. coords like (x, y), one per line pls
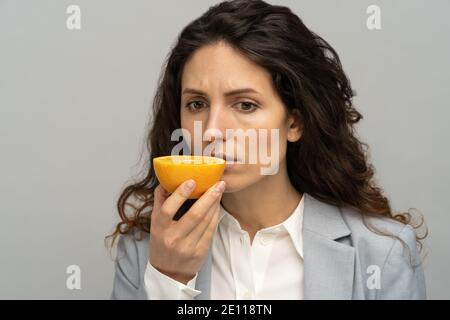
(328, 264)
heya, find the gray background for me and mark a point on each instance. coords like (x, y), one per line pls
(74, 106)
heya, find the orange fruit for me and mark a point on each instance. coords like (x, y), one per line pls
(172, 171)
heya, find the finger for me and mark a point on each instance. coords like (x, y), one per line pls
(196, 213)
(160, 195)
(173, 202)
(194, 236)
(206, 238)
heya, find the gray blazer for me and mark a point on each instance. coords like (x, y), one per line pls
(342, 259)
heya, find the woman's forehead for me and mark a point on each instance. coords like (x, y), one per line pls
(222, 66)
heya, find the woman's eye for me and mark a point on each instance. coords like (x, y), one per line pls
(194, 105)
(247, 106)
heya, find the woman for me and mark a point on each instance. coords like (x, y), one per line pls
(317, 227)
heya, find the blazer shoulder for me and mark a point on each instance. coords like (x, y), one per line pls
(360, 224)
(374, 238)
(131, 260)
(395, 255)
(133, 246)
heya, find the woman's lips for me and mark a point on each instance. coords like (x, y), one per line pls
(229, 165)
(227, 158)
(229, 161)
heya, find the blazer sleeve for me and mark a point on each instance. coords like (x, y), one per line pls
(128, 284)
(402, 277)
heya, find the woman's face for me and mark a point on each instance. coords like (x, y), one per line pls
(213, 98)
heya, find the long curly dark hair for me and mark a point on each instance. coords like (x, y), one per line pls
(329, 162)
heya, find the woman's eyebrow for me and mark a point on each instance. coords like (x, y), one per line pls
(227, 94)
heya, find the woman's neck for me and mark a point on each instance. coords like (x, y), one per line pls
(264, 204)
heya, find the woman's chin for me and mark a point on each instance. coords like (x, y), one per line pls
(236, 181)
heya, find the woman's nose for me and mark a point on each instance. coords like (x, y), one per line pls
(217, 123)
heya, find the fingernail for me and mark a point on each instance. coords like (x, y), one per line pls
(190, 184)
(220, 187)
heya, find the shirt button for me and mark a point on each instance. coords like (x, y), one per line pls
(265, 239)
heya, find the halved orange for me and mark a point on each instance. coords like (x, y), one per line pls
(171, 171)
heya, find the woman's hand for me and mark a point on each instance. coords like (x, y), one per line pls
(178, 248)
